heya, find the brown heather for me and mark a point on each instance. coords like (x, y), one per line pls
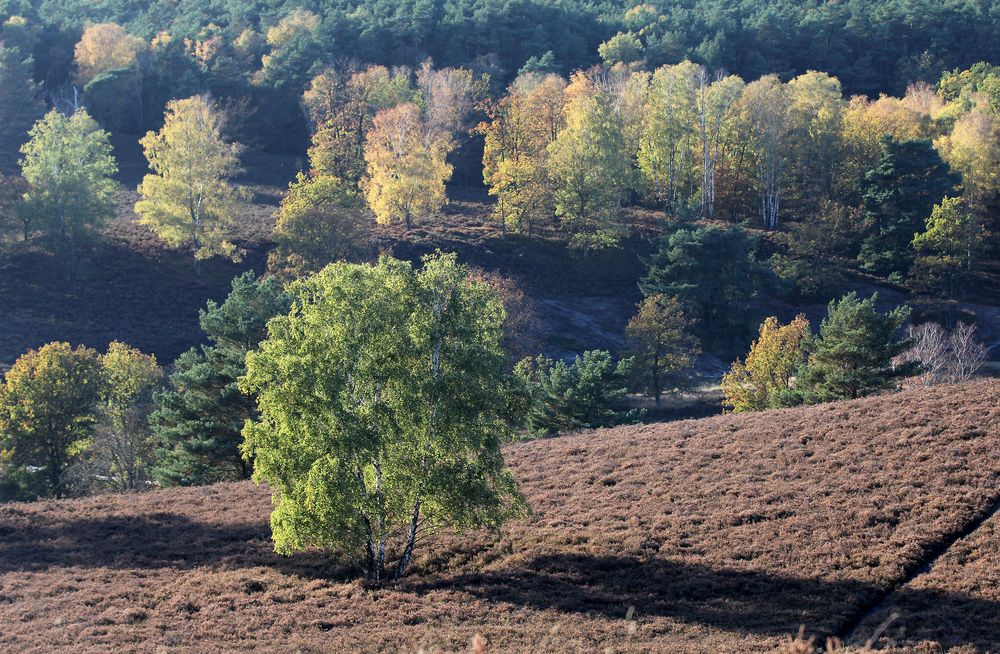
(717, 535)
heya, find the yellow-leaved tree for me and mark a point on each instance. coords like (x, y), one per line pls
(521, 127)
(189, 198)
(754, 385)
(104, 47)
(407, 167)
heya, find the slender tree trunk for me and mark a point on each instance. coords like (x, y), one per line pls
(411, 538)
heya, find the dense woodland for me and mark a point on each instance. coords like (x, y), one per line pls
(776, 151)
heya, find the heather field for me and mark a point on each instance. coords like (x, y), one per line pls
(717, 535)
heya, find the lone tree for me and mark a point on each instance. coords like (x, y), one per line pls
(68, 167)
(760, 382)
(47, 410)
(198, 419)
(189, 198)
(661, 342)
(854, 353)
(383, 403)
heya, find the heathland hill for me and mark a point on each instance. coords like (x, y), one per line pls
(716, 535)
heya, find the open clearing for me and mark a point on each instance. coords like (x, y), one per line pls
(724, 534)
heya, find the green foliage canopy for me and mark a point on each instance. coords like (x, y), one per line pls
(383, 404)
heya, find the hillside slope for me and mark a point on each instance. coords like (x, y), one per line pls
(724, 534)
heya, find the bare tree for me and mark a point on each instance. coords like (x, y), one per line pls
(944, 357)
(967, 353)
(930, 349)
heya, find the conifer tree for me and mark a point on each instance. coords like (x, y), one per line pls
(20, 104)
(662, 344)
(198, 418)
(899, 195)
(853, 354)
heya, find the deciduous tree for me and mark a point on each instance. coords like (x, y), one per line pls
(950, 247)
(662, 345)
(104, 47)
(521, 127)
(68, 166)
(766, 104)
(759, 382)
(123, 445)
(585, 165)
(382, 410)
(407, 167)
(342, 107)
(189, 198)
(47, 410)
(667, 150)
(320, 222)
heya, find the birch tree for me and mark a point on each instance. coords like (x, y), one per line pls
(68, 167)
(123, 443)
(765, 103)
(383, 404)
(407, 166)
(666, 151)
(189, 198)
(520, 129)
(816, 123)
(585, 162)
(716, 110)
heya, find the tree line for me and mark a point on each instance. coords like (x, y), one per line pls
(135, 58)
(902, 186)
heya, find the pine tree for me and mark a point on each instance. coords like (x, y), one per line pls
(198, 419)
(584, 394)
(853, 355)
(20, 104)
(899, 195)
(716, 276)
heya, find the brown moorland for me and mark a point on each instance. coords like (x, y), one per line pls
(716, 535)
(952, 605)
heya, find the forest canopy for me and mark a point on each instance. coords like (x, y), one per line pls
(870, 45)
